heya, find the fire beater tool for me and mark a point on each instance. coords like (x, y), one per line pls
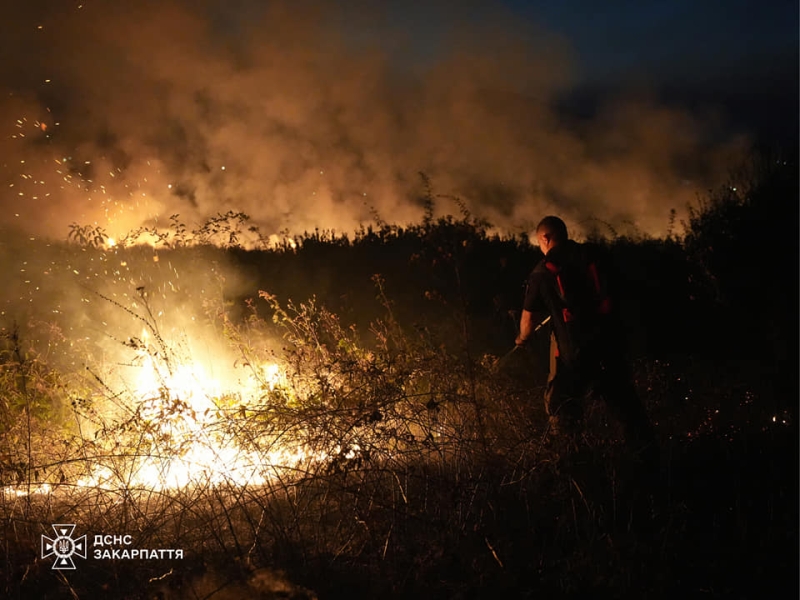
(500, 361)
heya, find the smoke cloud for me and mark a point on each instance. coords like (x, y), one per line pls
(303, 115)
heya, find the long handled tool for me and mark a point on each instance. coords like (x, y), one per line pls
(500, 361)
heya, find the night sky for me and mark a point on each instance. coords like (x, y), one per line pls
(680, 40)
(305, 115)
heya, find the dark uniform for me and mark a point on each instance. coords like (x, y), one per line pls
(587, 350)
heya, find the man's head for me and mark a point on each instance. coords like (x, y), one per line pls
(550, 232)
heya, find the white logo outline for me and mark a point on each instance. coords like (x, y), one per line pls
(64, 547)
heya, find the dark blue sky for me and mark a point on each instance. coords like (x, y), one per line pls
(672, 40)
(664, 41)
(614, 37)
(737, 56)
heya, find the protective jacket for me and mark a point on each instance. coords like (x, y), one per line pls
(571, 285)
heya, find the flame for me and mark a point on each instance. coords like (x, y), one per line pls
(181, 405)
(23, 491)
(272, 374)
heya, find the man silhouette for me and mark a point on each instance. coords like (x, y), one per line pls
(587, 353)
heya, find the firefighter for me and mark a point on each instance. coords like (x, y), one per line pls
(587, 355)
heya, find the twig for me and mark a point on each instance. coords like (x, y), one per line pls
(497, 558)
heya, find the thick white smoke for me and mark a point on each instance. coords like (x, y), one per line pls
(303, 115)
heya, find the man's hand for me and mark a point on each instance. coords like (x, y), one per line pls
(520, 341)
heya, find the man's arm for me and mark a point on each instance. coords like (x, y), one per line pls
(534, 309)
(525, 328)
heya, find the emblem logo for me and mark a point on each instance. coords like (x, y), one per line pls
(63, 547)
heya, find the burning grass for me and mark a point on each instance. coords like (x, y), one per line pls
(388, 460)
(310, 445)
(333, 455)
